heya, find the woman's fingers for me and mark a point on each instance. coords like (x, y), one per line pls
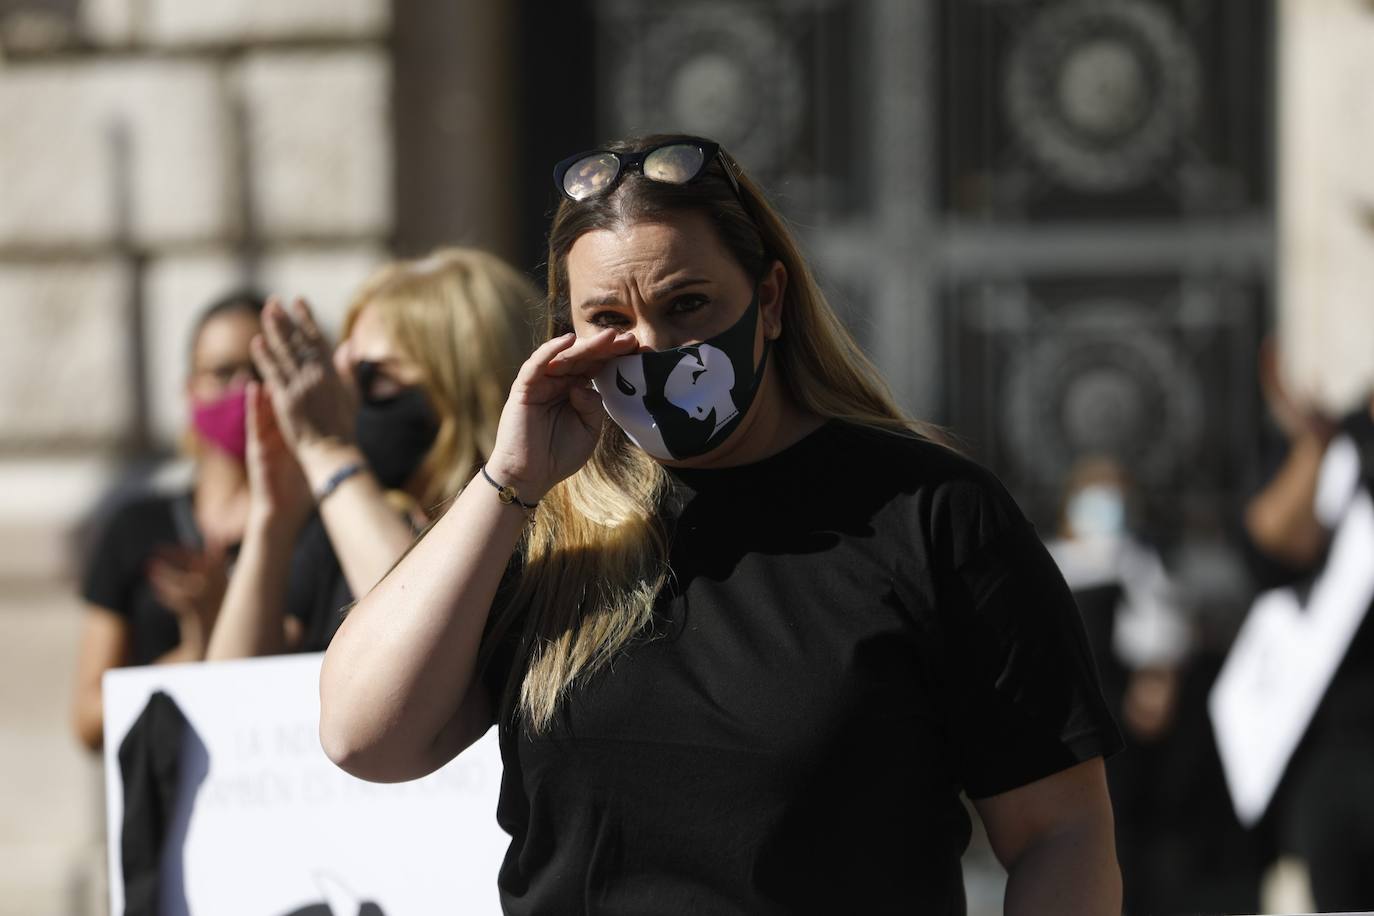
(588, 354)
(269, 433)
(266, 362)
(250, 399)
(542, 354)
(587, 403)
(280, 330)
(309, 330)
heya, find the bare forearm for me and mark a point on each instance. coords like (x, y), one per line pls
(251, 618)
(1280, 518)
(401, 664)
(367, 533)
(88, 716)
(1073, 872)
(193, 645)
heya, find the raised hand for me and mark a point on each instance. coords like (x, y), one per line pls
(552, 419)
(314, 408)
(278, 490)
(1297, 416)
(190, 583)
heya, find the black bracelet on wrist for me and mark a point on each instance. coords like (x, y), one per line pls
(337, 478)
(508, 495)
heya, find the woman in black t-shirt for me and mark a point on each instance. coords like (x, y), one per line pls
(748, 639)
(155, 579)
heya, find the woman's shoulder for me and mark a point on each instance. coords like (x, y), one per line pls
(140, 510)
(924, 458)
(950, 495)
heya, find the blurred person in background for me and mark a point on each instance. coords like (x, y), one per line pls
(373, 442)
(1140, 638)
(1323, 811)
(746, 638)
(157, 575)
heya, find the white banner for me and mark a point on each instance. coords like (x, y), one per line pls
(266, 825)
(1283, 660)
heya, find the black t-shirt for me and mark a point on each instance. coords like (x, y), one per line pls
(116, 575)
(317, 591)
(856, 630)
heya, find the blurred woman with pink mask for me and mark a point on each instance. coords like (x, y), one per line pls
(154, 582)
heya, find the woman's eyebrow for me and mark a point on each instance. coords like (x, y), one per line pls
(660, 292)
(669, 288)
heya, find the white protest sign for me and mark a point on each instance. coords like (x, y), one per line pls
(1283, 660)
(266, 825)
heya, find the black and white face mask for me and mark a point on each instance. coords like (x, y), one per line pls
(681, 403)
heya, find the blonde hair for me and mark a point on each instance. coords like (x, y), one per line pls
(463, 316)
(595, 556)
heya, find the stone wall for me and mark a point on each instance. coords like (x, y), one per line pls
(153, 153)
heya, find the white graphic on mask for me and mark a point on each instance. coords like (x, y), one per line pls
(621, 386)
(700, 385)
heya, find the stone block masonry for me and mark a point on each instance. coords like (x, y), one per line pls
(319, 145)
(94, 150)
(206, 23)
(64, 356)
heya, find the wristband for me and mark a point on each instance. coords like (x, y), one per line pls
(508, 495)
(337, 478)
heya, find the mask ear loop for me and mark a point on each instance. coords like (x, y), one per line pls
(767, 341)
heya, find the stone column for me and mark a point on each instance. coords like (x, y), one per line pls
(454, 100)
(1326, 199)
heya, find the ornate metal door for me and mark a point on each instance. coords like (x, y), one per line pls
(1048, 220)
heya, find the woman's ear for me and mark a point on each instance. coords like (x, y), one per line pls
(343, 362)
(772, 294)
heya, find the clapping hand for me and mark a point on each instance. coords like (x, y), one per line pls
(190, 583)
(279, 492)
(314, 408)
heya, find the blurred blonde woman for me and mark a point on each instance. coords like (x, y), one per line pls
(349, 457)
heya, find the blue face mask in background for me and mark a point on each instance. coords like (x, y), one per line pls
(1097, 510)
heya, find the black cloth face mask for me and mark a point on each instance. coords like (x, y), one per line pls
(684, 402)
(396, 432)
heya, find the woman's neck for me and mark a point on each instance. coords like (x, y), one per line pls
(220, 498)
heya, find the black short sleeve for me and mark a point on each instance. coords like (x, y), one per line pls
(117, 565)
(116, 571)
(317, 590)
(1027, 701)
(107, 578)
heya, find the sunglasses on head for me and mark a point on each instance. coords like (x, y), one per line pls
(678, 161)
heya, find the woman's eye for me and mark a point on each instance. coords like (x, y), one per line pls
(608, 319)
(684, 304)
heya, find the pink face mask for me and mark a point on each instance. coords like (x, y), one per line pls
(223, 422)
